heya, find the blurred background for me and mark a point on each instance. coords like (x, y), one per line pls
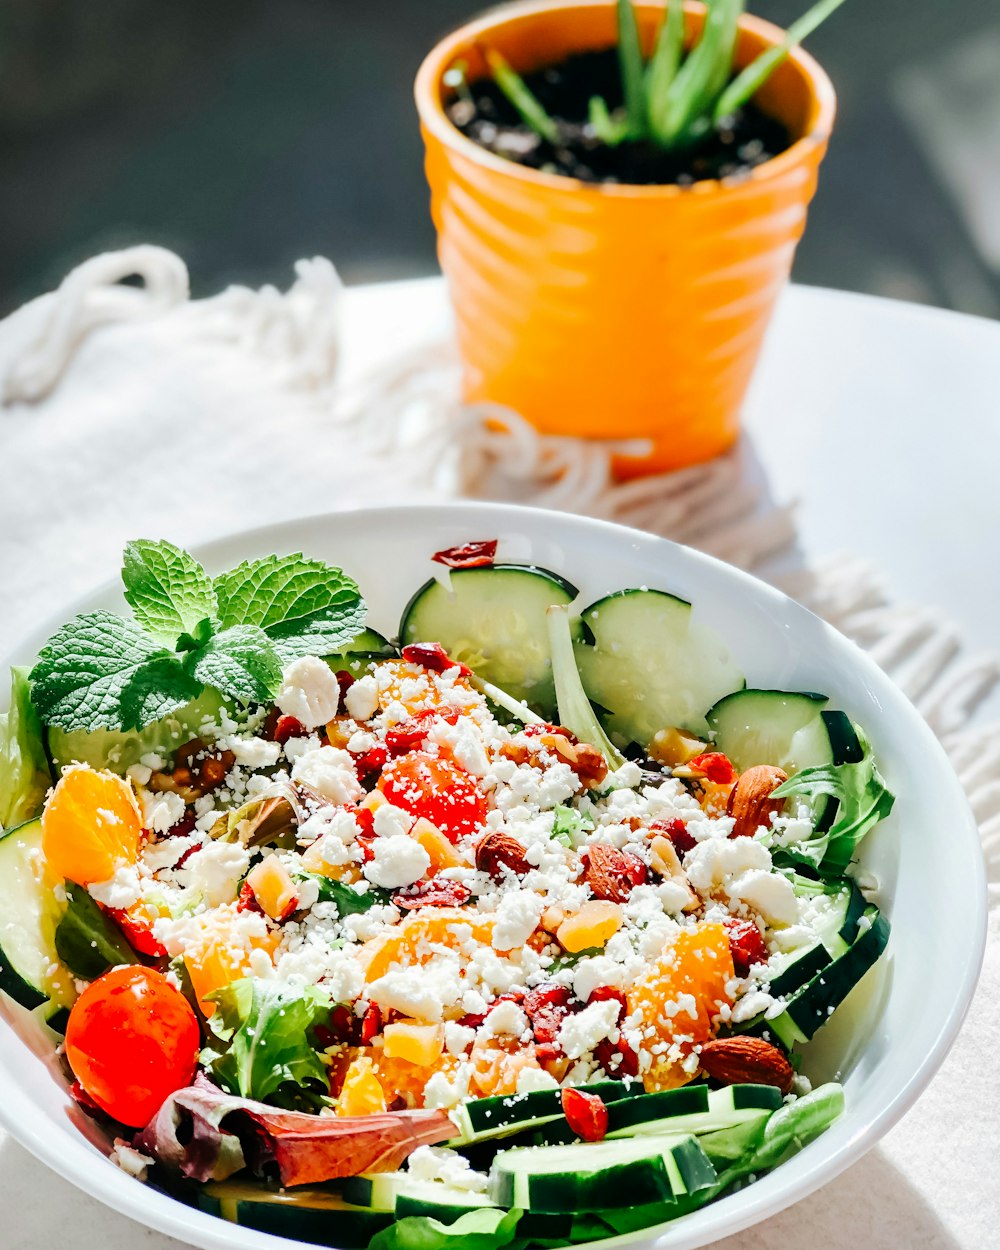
(247, 133)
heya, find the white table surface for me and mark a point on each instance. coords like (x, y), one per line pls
(883, 420)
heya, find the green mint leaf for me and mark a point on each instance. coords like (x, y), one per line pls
(168, 590)
(262, 1041)
(103, 672)
(24, 769)
(240, 663)
(305, 607)
(86, 940)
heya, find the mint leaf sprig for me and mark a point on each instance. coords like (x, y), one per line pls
(188, 631)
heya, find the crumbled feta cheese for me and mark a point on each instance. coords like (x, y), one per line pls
(215, 871)
(254, 752)
(750, 1005)
(398, 860)
(767, 893)
(717, 860)
(517, 918)
(506, 1019)
(161, 812)
(309, 691)
(330, 773)
(580, 1033)
(133, 1162)
(530, 1079)
(139, 773)
(389, 821)
(458, 1038)
(442, 1094)
(122, 891)
(361, 699)
(423, 996)
(589, 974)
(437, 1163)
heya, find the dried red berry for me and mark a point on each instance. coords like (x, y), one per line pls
(716, 767)
(617, 1058)
(468, 556)
(371, 1025)
(435, 893)
(372, 761)
(288, 727)
(345, 680)
(746, 944)
(247, 900)
(433, 656)
(677, 831)
(366, 821)
(586, 1114)
(138, 935)
(547, 1006)
(408, 735)
(608, 993)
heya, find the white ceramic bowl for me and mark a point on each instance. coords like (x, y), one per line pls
(887, 1041)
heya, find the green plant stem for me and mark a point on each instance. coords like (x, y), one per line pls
(529, 107)
(690, 94)
(749, 80)
(633, 71)
(666, 59)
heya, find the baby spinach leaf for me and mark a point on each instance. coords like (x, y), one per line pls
(263, 1045)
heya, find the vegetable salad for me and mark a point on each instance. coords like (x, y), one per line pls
(509, 930)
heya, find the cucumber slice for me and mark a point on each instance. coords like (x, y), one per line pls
(778, 727)
(840, 906)
(367, 646)
(703, 1111)
(310, 1215)
(811, 1006)
(493, 619)
(600, 1176)
(117, 752)
(406, 1195)
(483, 1118)
(30, 971)
(649, 666)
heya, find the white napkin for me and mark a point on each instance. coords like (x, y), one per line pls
(133, 412)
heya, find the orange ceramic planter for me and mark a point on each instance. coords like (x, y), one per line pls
(615, 312)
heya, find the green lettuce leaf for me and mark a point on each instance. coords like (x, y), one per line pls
(305, 607)
(863, 800)
(241, 662)
(102, 671)
(569, 826)
(487, 1228)
(263, 1047)
(168, 590)
(24, 770)
(87, 942)
(349, 902)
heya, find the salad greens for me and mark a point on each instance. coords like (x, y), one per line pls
(24, 769)
(486, 1229)
(264, 1045)
(863, 800)
(233, 633)
(675, 98)
(87, 942)
(575, 710)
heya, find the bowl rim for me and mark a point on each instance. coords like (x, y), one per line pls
(426, 91)
(95, 1176)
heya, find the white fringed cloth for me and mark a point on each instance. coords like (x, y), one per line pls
(132, 409)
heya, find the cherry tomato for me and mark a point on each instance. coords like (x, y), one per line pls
(436, 789)
(132, 1040)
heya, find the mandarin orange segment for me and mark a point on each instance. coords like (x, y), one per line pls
(400, 1078)
(690, 976)
(361, 1093)
(422, 935)
(219, 953)
(91, 826)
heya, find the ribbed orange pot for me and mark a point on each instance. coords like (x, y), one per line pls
(615, 312)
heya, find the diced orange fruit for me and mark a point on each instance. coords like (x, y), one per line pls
(361, 1092)
(273, 887)
(373, 801)
(400, 1078)
(673, 747)
(219, 952)
(697, 964)
(413, 941)
(421, 1044)
(442, 853)
(340, 730)
(714, 797)
(91, 826)
(590, 927)
(313, 861)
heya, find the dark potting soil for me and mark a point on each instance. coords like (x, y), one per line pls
(565, 90)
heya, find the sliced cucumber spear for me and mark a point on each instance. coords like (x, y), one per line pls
(574, 707)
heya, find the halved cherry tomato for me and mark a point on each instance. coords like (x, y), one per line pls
(132, 1040)
(436, 789)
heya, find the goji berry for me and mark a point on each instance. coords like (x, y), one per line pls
(288, 727)
(433, 656)
(586, 1114)
(746, 944)
(716, 767)
(468, 556)
(371, 1024)
(435, 894)
(677, 831)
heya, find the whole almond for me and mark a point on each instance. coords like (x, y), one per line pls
(746, 1060)
(750, 803)
(498, 851)
(611, 874)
